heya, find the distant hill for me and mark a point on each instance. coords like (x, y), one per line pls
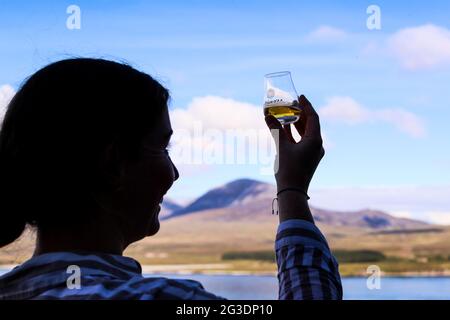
(168, 207)
(237, 192)
(236, 218)
(245, 199)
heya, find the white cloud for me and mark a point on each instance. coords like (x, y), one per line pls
(219, 113)
(402, 214)
(349, 111)
(6, 94)
(216, 130)
(428, 203)
(439, 217)
(344, 109)
(222, 128)
(326, 34)
(435, 217)
(422, 47)
(404, 120)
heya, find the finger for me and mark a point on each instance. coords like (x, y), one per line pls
(312, 123)
(276, 129)
(287, 129)
(300, 124)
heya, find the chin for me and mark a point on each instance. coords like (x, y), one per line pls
(153, 228)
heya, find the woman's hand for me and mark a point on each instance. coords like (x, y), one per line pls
(296, 161)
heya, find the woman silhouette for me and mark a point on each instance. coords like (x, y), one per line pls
(83, 159)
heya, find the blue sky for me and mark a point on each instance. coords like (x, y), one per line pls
(389, 146)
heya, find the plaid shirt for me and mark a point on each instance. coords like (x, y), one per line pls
(306, 270)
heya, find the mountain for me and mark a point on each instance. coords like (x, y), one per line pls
(247, 199)
(234, 193)
(236, 217)
(168, 206)
(366, 218)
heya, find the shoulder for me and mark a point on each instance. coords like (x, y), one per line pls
(155, 288)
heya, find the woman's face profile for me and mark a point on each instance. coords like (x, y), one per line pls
(99, 157)
(144, 182)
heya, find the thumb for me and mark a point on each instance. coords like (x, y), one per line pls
(276, 130)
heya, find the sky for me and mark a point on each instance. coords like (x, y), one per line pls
(382, 93)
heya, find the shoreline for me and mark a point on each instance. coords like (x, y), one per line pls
(218, 270)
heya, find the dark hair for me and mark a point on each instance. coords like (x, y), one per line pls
(54, 131)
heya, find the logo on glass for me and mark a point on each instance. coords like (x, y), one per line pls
(281, 97)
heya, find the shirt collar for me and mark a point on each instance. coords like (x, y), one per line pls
(98, 264)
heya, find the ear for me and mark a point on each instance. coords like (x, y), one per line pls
(111, 166)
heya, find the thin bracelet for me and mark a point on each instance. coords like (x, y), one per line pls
(273, 200)
(294, 189)
(288, 189)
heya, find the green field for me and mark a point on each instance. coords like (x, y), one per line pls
(211, 245)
